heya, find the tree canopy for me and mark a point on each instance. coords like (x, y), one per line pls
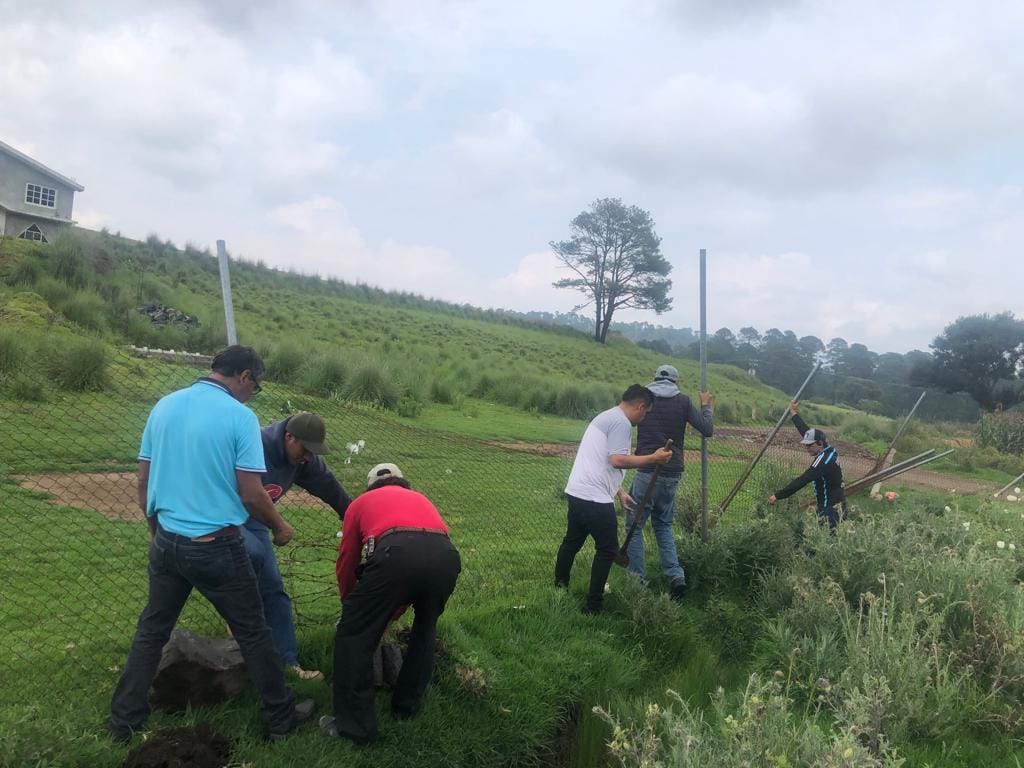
(615, 256)
(982, 355)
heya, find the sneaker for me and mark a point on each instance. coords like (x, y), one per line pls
(303, 711)
(306, 674)
(329, 727)
(678, 590)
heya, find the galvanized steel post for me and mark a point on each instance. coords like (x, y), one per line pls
(225, 289)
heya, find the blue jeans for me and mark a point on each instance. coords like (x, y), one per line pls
(221, 571)
(277, 605)
(660, 510)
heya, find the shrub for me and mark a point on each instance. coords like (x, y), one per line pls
(25, 273)
(54, 291)
(86, 309)
(14, 351)
(571, 401)
(25, 387)
(324, 374)
(443, 390)
(285, 361)
(1002, 431)
(77, 365)
(372, 384)
(725, 412)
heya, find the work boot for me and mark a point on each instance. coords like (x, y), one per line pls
(303, 711)
(591, 607)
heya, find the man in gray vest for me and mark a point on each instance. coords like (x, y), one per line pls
(667, 420)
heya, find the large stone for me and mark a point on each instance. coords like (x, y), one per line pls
(197, 671)
(387, 664)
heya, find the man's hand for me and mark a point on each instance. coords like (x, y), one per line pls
(706, 399)
(794, 408)
(627, 501)
(283, 534)
(661, 456)
(772, 499)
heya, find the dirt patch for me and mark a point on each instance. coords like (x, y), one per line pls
(198, 747)
(113, 494)
(563, 450)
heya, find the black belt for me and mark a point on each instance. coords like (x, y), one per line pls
(228, 531)
(407, 529)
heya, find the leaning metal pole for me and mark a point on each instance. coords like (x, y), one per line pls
(771, 436)
(889, 474)
(1009, 485)
(887, 456)
(225, 289)
(703, 388)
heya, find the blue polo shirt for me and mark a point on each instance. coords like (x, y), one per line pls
(195, 439)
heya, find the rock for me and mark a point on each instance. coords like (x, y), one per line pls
(387, 663)
(160, 314)
(197, 671)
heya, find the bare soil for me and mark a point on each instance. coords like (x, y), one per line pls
(112, 494)
(199, 746)
(857, 461)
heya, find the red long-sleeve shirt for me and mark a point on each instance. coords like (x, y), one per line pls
(372, 514)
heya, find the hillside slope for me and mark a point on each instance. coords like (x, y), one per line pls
(396, 350)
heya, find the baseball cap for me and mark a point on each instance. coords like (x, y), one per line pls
(310, 430)
(812, 436)
(381, 471)
(666, 372)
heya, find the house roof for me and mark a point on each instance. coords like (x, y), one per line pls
(66, 181)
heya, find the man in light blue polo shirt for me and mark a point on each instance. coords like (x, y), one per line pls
(199, 480)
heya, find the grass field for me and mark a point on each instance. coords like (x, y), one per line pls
(934, 675)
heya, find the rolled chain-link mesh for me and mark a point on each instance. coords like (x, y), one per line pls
(73, 551)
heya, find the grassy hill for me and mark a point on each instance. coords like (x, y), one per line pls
(399, 351)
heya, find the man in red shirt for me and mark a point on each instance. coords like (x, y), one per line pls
(394, 552)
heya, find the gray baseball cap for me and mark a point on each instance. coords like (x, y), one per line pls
(812, 436)
(666, 372)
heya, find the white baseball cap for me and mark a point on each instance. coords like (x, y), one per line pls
(381, 471)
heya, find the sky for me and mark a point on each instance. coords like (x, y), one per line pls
(854, 169)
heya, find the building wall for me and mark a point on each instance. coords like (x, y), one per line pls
(17, 223)
(3, 221)
(14, 175)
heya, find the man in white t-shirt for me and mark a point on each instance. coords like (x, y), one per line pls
(596, 479)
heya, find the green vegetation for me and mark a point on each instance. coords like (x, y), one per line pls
(898, 639)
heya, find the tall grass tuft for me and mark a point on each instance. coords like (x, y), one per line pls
(14, 351)
(372, 384)
(324, 374)
(77, 365)
(86, 309)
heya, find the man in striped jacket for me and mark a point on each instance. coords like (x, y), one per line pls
(824, 472)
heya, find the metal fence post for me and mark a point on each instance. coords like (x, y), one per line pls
(703, 388)
(225, 289)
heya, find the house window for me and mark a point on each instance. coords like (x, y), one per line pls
(38, 195)
(34, 233)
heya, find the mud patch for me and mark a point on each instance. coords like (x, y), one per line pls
(195, 747)
(114, 494)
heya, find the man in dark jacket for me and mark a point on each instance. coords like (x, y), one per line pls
(667, 420)
(291, 451)
(824, 472)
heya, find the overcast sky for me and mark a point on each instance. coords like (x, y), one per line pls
(854, 169)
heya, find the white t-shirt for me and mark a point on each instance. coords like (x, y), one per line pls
(593, 478)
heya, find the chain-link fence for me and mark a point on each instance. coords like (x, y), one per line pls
(73, 551)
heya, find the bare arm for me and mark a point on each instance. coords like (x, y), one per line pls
(143, 491)
(259, 505)
(632, 461)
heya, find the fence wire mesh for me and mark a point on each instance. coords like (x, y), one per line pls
(73, 554)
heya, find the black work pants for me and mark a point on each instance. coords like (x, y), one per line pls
(409, 567)
(589, 518)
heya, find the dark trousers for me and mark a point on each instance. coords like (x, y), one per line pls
(221, 571)
(832, 514)
(589, 518)
(406, 568)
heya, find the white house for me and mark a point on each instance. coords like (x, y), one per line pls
(35, 201)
